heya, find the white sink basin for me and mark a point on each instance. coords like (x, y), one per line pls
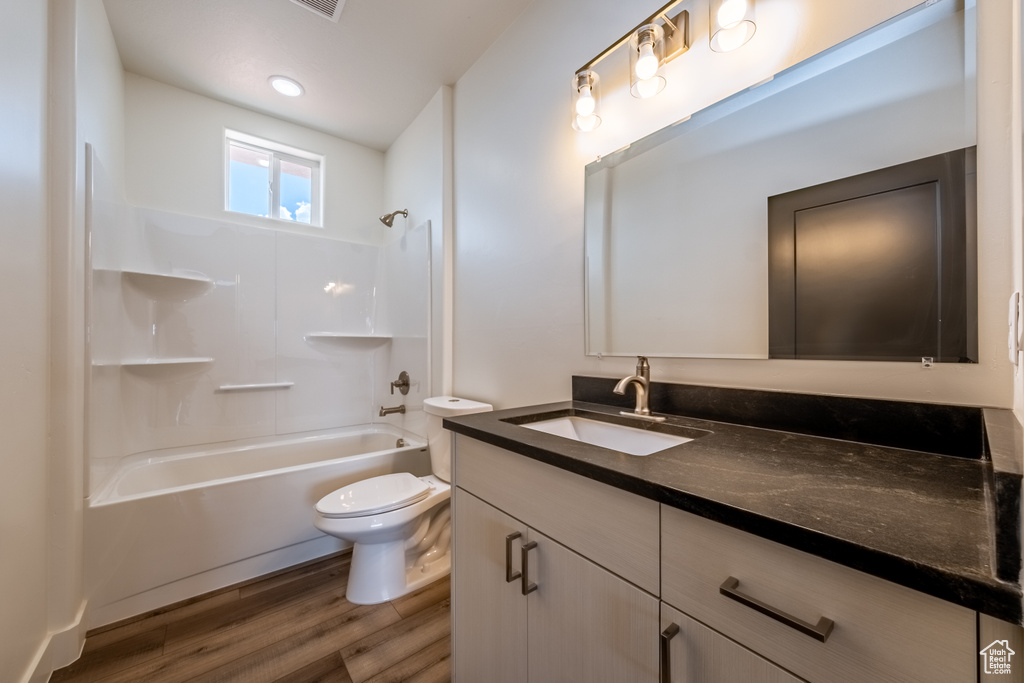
(608, 435)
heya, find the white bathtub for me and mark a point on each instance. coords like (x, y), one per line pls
(172, 524)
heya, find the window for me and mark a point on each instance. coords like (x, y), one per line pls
(271, 180)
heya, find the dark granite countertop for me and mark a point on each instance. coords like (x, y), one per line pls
(918, 519)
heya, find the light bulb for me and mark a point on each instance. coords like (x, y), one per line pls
(585, 104)
(587, 123)
(731, 12)
(286, 86)
(647, 62)
(649, 87)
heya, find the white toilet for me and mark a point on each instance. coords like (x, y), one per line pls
(399, 524)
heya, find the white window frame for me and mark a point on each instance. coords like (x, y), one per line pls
(277, 153)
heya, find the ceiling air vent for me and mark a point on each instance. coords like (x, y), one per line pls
(330, 9)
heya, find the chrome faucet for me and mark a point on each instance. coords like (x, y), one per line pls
(641, 382)
(384, 412)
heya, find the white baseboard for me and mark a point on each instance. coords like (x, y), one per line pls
(60, 649)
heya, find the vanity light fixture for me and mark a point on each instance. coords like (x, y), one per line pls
(645, 47)
(584, 101)
(732, 24)
(656, 40)
(286, 86)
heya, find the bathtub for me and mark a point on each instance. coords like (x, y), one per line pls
(172, 524)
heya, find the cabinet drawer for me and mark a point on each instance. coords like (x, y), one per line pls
(696, 654)
(615, 529)
(882, 632)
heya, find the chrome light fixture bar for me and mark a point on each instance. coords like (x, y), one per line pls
(655, 41)
(658, 39)
(676, 31)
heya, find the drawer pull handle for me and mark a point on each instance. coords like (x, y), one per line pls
(666, 657)
(509, 575)
(819, 631)
(527, 586)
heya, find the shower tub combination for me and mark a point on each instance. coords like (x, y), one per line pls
(177, 523)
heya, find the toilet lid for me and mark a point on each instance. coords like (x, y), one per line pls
(369, 496)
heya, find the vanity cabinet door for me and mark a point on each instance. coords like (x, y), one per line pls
(586, 624)
(488, 613)
(576, 621)
(697, 654)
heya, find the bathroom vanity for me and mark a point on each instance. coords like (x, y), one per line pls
(747, 553)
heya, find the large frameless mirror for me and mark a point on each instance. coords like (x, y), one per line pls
(677, 224)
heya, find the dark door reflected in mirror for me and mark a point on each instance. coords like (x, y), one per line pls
(878, 266)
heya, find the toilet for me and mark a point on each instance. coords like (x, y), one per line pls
(399, 524)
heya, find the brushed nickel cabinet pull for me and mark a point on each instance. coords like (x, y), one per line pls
(819, 631)
(509, 576)
(527, 586)
(666, 656)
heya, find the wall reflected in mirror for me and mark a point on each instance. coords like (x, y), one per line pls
(676, 224)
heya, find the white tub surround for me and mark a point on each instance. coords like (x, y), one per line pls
(176, 523)
(206, 331)
(236, 374)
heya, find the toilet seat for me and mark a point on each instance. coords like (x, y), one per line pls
(375, 495)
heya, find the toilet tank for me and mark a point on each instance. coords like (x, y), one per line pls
(437, 408)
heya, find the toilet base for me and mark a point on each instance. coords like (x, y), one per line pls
(420, 555)
(379, 573)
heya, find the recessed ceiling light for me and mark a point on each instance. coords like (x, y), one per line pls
(286, 86)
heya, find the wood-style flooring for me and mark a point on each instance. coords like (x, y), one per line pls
(293, 626)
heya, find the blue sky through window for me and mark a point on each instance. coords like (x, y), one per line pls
(296, 196)
(251, 190)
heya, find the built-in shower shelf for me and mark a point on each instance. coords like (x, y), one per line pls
(364, 340)
(156, 365)
(181, 360)
(167, 286)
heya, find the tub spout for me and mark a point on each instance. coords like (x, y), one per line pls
(384, 412)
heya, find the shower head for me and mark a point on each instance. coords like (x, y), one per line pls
(389, 218)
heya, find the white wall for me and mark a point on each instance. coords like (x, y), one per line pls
(519, 171)
(100, 95)
(417, 177)
(174, 148)
(85, 97)
(23, 337)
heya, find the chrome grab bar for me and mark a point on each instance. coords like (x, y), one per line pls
(255, 387)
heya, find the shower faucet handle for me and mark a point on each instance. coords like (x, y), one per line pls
(402, 383)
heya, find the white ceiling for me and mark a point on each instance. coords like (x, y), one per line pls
(366, 77)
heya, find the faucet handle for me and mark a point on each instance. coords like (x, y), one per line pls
(402, 383)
